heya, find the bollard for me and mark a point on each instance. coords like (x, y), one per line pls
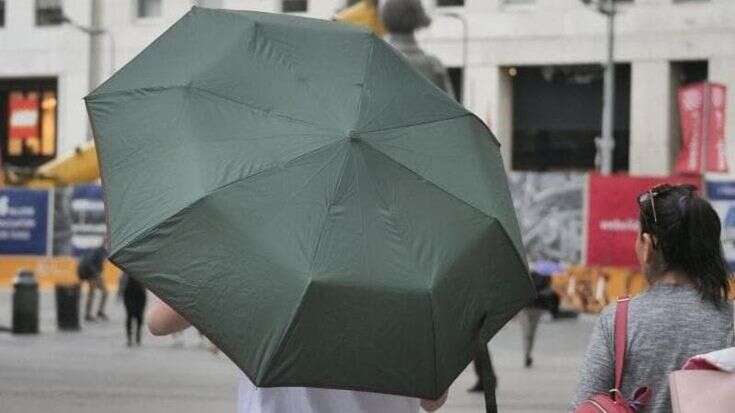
(67, 306)
(25, 303)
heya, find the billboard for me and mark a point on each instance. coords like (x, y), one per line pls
(79, 219)
(24, 221)
(721, 195)
(550, 209)
(612, 217)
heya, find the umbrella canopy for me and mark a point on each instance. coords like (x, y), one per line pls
(324, 214)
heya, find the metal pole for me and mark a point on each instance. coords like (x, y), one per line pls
(607, 142)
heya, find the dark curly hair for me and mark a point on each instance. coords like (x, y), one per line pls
(686, 230)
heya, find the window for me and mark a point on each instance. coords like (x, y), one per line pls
(449, 3)
(456, 78)
(352, 2)
(2, 13)
(28, 121)
(557, 115)
(48, 12)
(294, 6)
(149, 8)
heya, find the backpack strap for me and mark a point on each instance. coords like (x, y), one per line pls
(621, 338)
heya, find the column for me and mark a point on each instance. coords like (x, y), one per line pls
(496, 102)
(651, 149)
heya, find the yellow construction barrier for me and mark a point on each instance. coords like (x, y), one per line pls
(590, 289)
(49, 270)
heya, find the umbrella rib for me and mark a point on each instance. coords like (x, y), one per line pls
(329, 206)
(430, 181)
(364, 78)
(423, 123)
(136, 236)
(426, 122)
(256, 108)
(209, 92)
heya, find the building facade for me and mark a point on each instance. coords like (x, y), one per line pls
(529, 68)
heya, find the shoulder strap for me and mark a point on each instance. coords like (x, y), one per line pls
(621, 338)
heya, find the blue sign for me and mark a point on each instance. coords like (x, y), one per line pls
(721, 190)
(722, 197)
(87, 219)
(24, 225)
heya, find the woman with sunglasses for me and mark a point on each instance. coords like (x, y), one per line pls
(684, 312)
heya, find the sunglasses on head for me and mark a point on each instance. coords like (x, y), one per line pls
(658, 190)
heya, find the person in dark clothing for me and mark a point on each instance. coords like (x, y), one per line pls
(546, 300)
(134, 298)
(89, 270)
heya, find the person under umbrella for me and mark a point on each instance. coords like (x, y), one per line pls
(291, 185)
(163, 320)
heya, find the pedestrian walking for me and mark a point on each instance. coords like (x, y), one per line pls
(89, 271)
(685, 310)
(529, 317)
(134, 298)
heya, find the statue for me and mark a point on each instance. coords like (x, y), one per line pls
(401, 19)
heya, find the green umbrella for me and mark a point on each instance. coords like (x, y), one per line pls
(324, 214)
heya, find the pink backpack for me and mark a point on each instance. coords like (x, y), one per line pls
(613, 401)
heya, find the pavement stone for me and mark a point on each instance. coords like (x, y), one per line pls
(94, 371)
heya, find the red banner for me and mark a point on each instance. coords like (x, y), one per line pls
(716, 151)
(23, 115)
(612, 217)
(702, 113)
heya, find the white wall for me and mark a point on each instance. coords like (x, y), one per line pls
(650, 34)
(50, 51)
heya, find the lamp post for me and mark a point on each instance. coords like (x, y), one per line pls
(95, 31)
(606, 143)
(465, 41)
(93, 74)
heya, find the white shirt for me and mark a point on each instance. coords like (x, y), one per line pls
(252, 399)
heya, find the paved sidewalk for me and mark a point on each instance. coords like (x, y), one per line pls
(93, 371)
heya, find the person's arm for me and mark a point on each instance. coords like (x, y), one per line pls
(432, 405)
(163, 320)
(598, 371)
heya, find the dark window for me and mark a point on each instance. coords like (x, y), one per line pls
(48, 12)
(455, 77)
(690, 71)
(294, 6)
(149, 8)
(28, 121)
(557, 116)
(449, 3)
(2, 13)
(352, 2)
